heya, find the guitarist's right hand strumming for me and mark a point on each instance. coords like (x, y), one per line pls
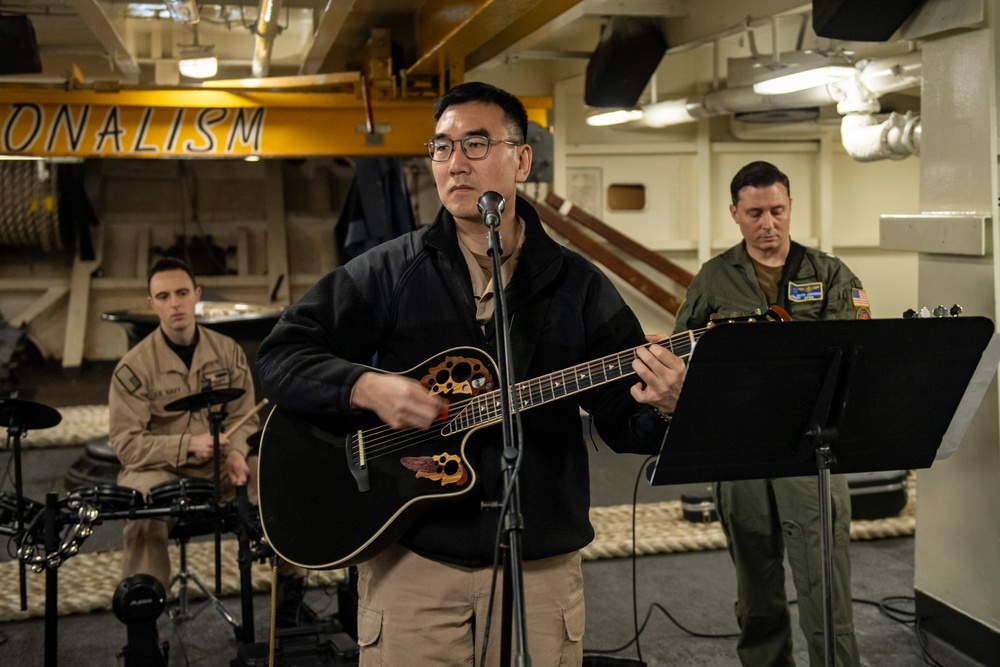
(400, 402)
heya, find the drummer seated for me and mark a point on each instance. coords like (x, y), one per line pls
(155, 444)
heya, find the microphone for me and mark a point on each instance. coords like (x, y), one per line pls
(491, 207)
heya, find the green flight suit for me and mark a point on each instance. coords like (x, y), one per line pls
(763, 518)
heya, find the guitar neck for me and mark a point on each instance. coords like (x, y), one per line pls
(486, 408)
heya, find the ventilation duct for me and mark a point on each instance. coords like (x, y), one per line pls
(866, 138)
(857, 94)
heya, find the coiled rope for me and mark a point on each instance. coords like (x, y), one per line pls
(29, 209)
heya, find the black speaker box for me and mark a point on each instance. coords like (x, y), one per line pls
(627, 55)
(860, 20)
(18, 48)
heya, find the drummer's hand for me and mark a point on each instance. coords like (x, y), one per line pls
(398, 401)
(237, 468)
(202, 445)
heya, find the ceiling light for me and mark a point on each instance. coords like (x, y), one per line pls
(183, 11)
(202, 66)
(616, 117)
(197, 60)
(668, 112)
(801, 71)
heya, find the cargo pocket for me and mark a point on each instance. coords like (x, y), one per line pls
(575, 621)
(799, 556)
(369, 632)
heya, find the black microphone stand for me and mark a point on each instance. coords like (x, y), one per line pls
(513, 521)
(246, 558)
(14, 433)
(215, 419)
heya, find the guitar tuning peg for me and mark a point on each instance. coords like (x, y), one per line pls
(940, 311)
(956, 310)
(909, 314)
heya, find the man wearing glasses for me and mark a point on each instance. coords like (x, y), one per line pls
(425, 600)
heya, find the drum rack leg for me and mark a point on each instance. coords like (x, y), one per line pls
(182, 577)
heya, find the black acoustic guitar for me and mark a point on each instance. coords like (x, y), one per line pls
(332, 497)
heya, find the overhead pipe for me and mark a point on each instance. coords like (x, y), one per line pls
(866, 139)
(265, 29)
(875, 77)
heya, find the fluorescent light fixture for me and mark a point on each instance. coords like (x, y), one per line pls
(669, 112)
(183, 11)
(251, 158)
(48, 160)
(199, 68)
(793, 82)
(800, 70)
(616, 117)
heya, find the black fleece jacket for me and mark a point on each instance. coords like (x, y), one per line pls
(405, 301)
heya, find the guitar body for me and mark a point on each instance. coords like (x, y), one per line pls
(314, 507)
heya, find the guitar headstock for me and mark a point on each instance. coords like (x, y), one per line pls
(940, 311)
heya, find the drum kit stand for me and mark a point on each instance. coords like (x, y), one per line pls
(48, 534)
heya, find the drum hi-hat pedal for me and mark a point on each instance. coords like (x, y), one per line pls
(138, 602)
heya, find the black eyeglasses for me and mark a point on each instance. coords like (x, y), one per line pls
(475, 147)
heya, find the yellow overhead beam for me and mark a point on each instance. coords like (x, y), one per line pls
(194, 123)
(299, 81)
(449, 30)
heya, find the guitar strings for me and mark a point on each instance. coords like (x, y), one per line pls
(383, 440)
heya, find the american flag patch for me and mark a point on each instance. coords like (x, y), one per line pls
(860, 298)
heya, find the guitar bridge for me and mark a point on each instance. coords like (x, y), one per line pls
(356, 461)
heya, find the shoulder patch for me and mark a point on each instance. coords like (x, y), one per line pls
(860, 298)
(128, 379)
(864, 314)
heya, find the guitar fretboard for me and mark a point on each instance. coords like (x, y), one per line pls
(486, 408)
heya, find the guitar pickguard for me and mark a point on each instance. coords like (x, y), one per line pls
(444, 467)
(459, 376)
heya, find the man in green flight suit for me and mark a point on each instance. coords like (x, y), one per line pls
(764, 517)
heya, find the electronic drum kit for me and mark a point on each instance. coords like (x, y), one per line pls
(46, 534)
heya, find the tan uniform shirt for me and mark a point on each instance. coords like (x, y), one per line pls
(152, 442)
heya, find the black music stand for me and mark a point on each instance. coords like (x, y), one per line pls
(800, 398)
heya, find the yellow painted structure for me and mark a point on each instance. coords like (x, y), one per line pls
(450, 32)
(213, 124)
